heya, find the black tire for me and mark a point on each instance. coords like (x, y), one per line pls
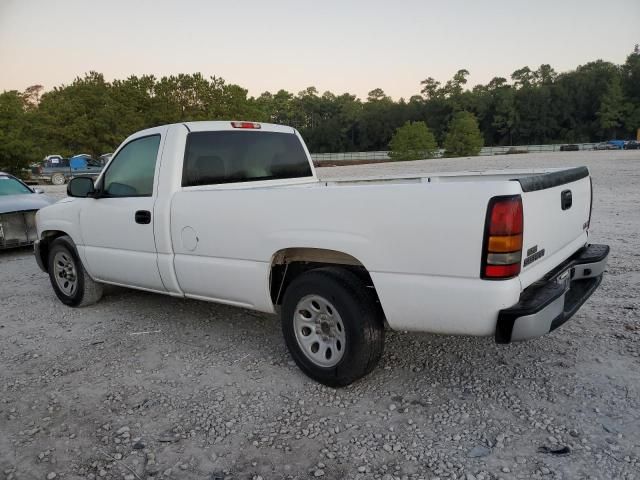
(86, 290)
(360, 313)
(58, 179)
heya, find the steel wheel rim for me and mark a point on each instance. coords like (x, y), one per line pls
(64, 272)
(319, 331)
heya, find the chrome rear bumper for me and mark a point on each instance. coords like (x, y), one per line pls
(550, 302)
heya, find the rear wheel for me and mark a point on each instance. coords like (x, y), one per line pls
(333, 326)
(58, 179)
(69, 279)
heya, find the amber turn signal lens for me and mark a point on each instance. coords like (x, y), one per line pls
(505, 243)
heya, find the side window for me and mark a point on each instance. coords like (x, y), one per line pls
(131, 172)
(235, 156)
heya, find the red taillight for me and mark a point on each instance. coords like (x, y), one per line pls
(252, 125)
(506, 217)
(502, 251)
(502, 271)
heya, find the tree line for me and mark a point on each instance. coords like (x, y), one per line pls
(597, 101)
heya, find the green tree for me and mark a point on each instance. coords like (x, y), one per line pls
(464, 137)
(376, 124)
(91, 115)
(413, 141)
(80, 118)
(523, 77)
(504, 112)
(612, 108)
(631, 90)
(278, 107)
(16, 143)
(545, 75)
(377, 94)
(431, 88)
(455, 86)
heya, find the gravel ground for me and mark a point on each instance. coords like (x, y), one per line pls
(145, 385)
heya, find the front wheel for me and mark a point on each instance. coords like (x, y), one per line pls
(69, 279)
(333, 326)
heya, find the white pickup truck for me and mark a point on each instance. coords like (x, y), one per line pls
(233, 212)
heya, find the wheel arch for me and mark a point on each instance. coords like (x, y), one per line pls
(289, 263)
(46, 239)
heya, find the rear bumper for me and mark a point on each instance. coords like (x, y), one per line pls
(550, 302)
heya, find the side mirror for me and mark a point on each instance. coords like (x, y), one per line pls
(80, 187)
(38, 190)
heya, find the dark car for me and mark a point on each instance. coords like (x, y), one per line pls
(18, 206)
(604, 146)
(632, 145)
(569, 148)
(58, 170)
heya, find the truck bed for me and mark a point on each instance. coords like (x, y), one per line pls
(530, 179)
(552, 233)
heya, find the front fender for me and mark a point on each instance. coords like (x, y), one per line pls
(53, 221)
(62, 216)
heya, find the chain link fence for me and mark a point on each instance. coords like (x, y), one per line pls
(383, 156)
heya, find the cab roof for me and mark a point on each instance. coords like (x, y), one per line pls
(237, 125)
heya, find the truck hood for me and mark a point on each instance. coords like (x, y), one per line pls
(26, 201)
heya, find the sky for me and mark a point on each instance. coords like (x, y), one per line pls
(342, 46)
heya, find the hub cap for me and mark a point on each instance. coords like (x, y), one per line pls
(64, 271)
(319, 330)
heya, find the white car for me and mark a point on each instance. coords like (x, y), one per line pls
(233, 212)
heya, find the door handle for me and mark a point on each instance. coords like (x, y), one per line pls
(566, 200)
(143, 217)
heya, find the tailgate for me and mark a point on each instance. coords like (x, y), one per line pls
(556, 209)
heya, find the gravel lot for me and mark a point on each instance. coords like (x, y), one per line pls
(145, 385)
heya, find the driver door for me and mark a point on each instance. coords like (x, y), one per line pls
(117, 227)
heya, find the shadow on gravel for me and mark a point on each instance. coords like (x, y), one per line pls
(203, 325)
(8, 253)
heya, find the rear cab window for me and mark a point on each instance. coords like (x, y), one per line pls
(227, 156)
(56, 163)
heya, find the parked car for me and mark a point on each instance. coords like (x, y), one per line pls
(233, 212)
(60, 170)
(569, 148)
(104, 158)
(18, 205)
(604, 146)
(617, 144)
(632, 145)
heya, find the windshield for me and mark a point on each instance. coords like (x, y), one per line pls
(11, 186)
